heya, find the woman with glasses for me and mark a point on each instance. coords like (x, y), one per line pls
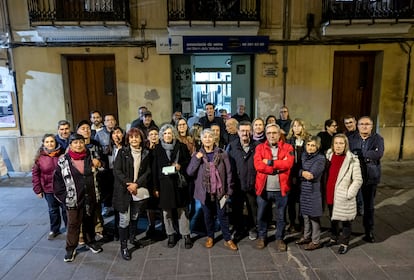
(184, 134)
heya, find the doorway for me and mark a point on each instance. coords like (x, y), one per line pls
(224, 80)
(352, 89)
(92, 85)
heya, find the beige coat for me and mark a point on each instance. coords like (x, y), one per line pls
(346, 188)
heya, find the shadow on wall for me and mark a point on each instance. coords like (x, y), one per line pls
(5, 164)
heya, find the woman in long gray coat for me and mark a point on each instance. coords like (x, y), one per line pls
(313, 165)
(344, 181)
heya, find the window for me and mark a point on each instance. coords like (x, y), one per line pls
(212, 85)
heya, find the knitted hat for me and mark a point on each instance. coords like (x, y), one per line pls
(82, 122)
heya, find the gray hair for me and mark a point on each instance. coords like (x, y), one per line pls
(272, 124)
(207, 131)
(164, 128)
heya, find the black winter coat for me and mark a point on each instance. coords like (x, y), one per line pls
(242, 165)
(124, 173)
(369, 157)
(84, 183)
(171, 196)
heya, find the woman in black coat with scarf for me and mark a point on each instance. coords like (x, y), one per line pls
(131, 171)
(170, 160)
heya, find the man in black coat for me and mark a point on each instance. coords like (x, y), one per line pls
(369, 146)
(241, 151)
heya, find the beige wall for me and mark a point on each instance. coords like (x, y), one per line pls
(40, 84)
(309, 90)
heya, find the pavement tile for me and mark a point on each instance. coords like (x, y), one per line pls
(264, 276)
(195, 261)
(227, 267)
(292, 273)
(92, 270)
(121, 268)
(33, 263)
(359, 264)
(337, 273)
(255, 260)
(28, 237)
(9, 259)
(58, 267)
(399, 272)
(160, 268)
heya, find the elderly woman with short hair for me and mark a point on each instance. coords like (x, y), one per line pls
(170, 160)
(213, 185)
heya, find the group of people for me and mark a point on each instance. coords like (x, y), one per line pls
(265, 171)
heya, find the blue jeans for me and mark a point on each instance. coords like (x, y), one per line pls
(262, 202)
(210, 208)
(54, 212)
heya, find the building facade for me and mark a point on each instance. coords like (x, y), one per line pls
(323, 59)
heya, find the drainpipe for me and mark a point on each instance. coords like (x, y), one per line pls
(11, 62)
(404, 111)
(286, 36)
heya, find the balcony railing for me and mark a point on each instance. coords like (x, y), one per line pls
(213, 10)
(398, 10)
(52, 11)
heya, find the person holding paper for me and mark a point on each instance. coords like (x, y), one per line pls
(170, 160)
(131, 170)
(213, 185)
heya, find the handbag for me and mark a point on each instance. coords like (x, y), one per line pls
(182, 181)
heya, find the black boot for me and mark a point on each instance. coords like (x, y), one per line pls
(171, 241)
(123, 234)
(188, 243)
(132, 233)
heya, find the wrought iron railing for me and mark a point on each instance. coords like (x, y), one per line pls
(78, 11)
(213, 10)
(367, 9)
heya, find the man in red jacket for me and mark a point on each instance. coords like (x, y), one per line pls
(273, 160)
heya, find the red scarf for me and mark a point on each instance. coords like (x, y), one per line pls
(336, 164)
(77, 156)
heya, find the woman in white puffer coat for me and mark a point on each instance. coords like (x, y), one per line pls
(343, 183)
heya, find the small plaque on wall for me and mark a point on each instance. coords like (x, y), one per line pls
(269, 69)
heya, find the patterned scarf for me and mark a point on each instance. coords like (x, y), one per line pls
(71, 195)
(211, 175)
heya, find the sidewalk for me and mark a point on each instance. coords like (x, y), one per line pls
(25, 253)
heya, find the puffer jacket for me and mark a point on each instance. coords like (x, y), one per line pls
(310, 190)
(281, 166)
(42, 173)
(346, 187)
